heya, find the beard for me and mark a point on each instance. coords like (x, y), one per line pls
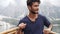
(34, 12)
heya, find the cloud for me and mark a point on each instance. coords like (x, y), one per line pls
(54, 2)
(5, 3)
(23, 2)
(42, 1)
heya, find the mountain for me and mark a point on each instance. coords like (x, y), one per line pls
(13, 13)
(50, 10)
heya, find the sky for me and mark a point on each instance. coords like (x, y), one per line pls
(54, 2)
(5, 3)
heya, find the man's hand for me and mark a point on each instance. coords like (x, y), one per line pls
(46, 31)
(22, 25)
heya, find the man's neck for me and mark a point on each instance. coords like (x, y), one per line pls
(33, 16)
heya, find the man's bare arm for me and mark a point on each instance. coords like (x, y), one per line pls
(50, 27)
(48, 30)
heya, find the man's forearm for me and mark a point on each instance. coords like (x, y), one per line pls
(50, 26)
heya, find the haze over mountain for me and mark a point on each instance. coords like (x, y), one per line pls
(11, 11)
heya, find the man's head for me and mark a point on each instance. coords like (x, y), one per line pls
(33, 6)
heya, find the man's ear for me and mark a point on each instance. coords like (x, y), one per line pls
(29, 7)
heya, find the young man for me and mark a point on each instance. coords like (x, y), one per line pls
(34, 22)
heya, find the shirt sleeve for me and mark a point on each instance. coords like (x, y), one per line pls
(19, 23)
(46, 22)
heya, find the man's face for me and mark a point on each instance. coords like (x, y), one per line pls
(34, 8)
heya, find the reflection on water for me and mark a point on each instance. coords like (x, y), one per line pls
(5, 26)
(56, 26)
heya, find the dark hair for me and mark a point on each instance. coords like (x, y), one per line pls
(29, 2)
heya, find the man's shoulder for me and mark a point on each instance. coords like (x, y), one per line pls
(24, 18)
(42, 16)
